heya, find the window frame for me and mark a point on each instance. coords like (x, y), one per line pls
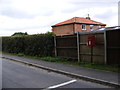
(83, 27)
(99, 26)
(91, 27)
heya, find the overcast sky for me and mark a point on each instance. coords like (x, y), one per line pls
(37, 16)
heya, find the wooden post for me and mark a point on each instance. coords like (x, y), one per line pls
(92, 54)
(105, 48)
(78, 46)
(55, 46)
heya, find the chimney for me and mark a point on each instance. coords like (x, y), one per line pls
(88, 17)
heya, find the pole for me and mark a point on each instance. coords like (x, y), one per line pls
(105, 47)
(92, 54)
(55, 46)
(78, 47)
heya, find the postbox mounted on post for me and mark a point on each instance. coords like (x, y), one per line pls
(91, 41)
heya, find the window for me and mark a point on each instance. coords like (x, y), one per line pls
(91, 27)
(99, 26)
(83, 26)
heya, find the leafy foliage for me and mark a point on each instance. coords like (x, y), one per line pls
(33, 45)
(19, 34)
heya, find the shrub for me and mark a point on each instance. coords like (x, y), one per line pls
(33, 45)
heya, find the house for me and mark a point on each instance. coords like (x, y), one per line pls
(76, 24)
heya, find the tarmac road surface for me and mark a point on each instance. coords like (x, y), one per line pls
(17, 75)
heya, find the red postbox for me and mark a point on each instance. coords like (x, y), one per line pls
(91, 41)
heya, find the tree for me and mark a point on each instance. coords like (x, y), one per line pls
(49, 33)
(19, 34)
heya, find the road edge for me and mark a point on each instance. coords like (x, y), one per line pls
(77, 76)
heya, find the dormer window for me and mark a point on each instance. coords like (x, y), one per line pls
(83, 26)
(91, 27)
(99, 26)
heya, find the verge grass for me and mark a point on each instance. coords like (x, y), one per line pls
(112, 68)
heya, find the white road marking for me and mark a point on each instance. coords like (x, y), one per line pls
(62, 84)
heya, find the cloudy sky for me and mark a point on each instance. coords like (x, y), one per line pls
(37, 16)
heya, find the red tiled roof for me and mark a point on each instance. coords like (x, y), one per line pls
(79, 20)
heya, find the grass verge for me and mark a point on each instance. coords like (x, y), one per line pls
(112, 68)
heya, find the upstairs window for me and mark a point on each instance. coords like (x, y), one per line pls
(83, 26)
(91, 27)
(99, 26)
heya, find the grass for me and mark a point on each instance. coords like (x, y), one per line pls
(21, 54)
(112, 68)
(53, 59)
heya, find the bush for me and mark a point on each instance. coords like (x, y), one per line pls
(33, 45)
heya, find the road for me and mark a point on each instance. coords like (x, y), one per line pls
(17, 75)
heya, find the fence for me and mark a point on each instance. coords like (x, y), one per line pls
(113, 46)
(75, 46)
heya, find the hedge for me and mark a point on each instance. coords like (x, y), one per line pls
(33, 45)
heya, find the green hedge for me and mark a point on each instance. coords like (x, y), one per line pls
(33, 45)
